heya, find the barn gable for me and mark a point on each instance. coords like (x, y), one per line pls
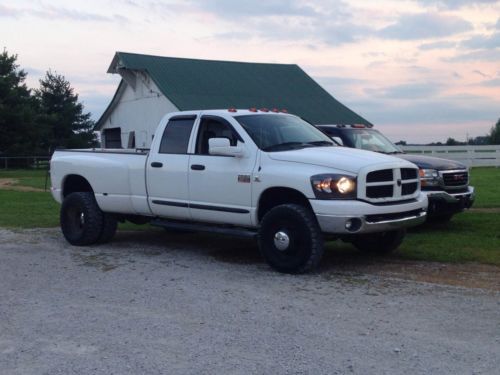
(189, 84)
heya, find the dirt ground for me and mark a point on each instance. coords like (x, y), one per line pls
(11, 184)
(152, 302)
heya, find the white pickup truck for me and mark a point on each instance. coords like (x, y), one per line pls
(254, 173)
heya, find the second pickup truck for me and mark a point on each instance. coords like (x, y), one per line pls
(252, 173)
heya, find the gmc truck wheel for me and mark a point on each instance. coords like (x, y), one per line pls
(379, 243)
(81, 219)
(290, 239)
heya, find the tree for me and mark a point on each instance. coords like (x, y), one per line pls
(18, 134)
(453, 142)
(494, 136)
(61, 119)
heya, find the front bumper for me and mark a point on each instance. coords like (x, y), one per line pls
(442, 203)
(357, 217)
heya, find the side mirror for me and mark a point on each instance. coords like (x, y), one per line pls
(222, 146)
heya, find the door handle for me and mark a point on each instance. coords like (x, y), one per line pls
(197, 167)
(156, 164)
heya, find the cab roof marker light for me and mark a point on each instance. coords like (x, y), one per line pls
(264, 110)
(283, 110)
(232, 110)
(275, 110)
(253, 109)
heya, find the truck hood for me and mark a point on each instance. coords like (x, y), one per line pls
(341, 158)
(429, 162)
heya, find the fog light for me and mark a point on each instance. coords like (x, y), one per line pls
(353, 225)
(348, 224)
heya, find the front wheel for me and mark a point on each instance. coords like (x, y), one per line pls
(81, 219)
(290, 239)
(379, 243)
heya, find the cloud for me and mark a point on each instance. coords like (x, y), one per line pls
(482, 42)
(309, 30)
(492, 83)
(94, 103)
(455, 4)
(424, 26)
(249, 8)
(34, 71)
(480, 73)
(437, 45)
(329, 22)
(480, 55)
(406, 91)
(425, 112)
(333, 81)
(58, 13)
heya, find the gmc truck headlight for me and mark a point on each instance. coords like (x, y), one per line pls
(429, 177)
(333, 186)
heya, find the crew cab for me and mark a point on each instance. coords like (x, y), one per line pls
(446, 182)
(256, 173)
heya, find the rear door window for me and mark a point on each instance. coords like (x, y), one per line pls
(176, 136)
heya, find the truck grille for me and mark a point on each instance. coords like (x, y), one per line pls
(391, 184)
(455, 178)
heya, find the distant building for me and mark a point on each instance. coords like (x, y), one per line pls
(153, 86)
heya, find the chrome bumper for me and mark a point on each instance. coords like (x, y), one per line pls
(452, 198)
(355, 217)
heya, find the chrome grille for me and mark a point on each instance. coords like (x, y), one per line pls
(391, 184)
(379, 176)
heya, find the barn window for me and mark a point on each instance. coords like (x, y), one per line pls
(113, 138)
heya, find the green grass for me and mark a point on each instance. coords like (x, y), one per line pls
(28, 177)
(470, 236)
(486, 180)
(28, 209)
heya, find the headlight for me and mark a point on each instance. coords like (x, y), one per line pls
(429, 177)
(333, 186)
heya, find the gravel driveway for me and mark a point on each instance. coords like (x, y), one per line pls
(159, 303)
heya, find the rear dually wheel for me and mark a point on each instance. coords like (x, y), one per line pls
(81, 219)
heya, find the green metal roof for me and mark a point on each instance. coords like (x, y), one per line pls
(204, 84)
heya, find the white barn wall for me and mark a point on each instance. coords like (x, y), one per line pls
(139, 110)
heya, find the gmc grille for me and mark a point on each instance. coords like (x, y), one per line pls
(458, 178)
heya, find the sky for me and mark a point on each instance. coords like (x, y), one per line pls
(420, 70)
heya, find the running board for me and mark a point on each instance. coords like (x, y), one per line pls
(196, 227)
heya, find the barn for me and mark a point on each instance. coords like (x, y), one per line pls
(152, 86)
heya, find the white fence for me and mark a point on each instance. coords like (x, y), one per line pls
(472, 156)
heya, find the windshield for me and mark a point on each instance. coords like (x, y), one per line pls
(371, 140)
(280, 132)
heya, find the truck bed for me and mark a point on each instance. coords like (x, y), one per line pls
(125, 192)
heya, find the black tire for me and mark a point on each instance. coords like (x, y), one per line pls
(109, 225)
(379, 243)
(81, 219)
(305, 240)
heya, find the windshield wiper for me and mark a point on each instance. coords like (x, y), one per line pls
(320, 143)
(287, 145)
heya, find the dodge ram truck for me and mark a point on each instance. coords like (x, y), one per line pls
(263, 174)
(446, 182)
